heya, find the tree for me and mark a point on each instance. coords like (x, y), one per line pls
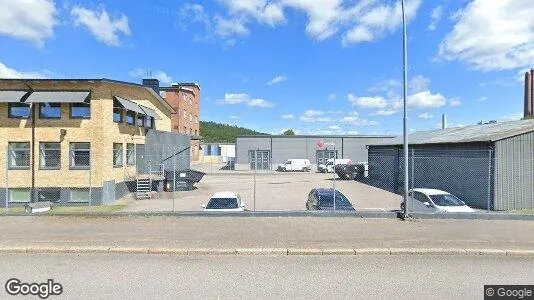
(289, 132)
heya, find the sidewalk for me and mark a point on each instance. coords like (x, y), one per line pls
(218, 235)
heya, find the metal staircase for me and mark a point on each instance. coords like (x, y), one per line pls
(143, 188)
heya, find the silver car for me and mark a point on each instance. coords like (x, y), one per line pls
(434, 201)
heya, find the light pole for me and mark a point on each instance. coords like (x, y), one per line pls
(405, 119)
(255, 167)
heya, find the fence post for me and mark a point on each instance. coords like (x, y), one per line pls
(489, 181)
(7, 178)
(173, 178)
(90, 177)
(413, 167)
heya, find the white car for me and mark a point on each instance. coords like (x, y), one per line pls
(435, 201)
(225, 201)
(329, 166)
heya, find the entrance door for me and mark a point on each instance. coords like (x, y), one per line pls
(262, 160)
(324, 155)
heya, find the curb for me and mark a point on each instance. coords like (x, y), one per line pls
(274, 251)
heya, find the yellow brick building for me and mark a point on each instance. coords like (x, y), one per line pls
(75, 141)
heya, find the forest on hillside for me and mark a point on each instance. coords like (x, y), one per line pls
(213, 132)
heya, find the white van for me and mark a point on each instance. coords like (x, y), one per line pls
(329, 166)
(295, 165)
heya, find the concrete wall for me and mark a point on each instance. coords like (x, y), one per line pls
(514, 173)
(286, 147)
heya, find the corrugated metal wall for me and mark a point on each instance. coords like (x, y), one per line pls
(161, 145)
(514, 171)
(284, 148)
(464, 170)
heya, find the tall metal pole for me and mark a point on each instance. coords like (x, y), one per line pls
(405, 119)
(7, 177)
(173, 179)
(255, 167)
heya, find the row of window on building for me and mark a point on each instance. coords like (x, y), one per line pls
(50, 155)
(190, 117)
(23, 195)
(20, 110)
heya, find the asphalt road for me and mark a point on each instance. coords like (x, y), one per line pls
(121, 276)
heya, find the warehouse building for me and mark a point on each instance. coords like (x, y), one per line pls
(489, 166)
(73, 141)
(267, 151)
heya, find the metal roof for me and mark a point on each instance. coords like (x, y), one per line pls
(468, 134)
(150, 112)
(11, 96)
(315, 136)
(58, 97)
(130, 105)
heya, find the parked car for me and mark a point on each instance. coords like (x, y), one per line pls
(330, 164)
(434, 201)
(225, 201)
(323, 199)
(295, 165)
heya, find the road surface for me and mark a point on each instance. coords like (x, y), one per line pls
(138, 276)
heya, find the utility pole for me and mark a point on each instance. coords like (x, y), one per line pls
(405, 118)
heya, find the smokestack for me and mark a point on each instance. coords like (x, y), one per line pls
(444, 121)
(529, 106)
(531, 92)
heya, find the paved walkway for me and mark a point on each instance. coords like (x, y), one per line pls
(263, 232)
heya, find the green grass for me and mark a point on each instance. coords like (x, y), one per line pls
(60, 210)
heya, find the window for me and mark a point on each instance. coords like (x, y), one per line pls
(18, 110)
(196, 133)
(130, 154)
(190, 102)
(117, 155)
(130, 117)
(80, 195)
(141, 120)
(149, 122)
(185, 130)
(196, 119)
(190, 130)
(185, 115)
(50, 111)
(50, 156)
(20, 195)
(49, 194)
(80, 155)
(80, 110)
(19, 155)
(117, 115)
(190, 117)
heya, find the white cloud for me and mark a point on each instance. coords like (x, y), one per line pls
(361, 21)
(385, 112)
(99, 23)
(335, 127)
(492, 35)
(160, 75)
(419, 83)
(332, 97)
(6, 72)
(288, 117)
(367, 102)
(425, 116)
(277, 79)
(356, 121)
(483, 98)
(315, 116)
(241, 98)
(385, 86)
(234, 117)
(435, 17)
(455, 102)
(30, 20)
(426, 99)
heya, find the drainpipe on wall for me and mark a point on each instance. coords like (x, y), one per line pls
(32, 147)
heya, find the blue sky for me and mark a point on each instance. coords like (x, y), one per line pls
(315, 66)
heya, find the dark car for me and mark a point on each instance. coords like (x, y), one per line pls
(323, 199)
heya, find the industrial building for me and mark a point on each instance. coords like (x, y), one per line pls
(73, 141)
(489, 166)
(267, 151)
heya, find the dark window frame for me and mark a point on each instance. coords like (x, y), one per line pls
(29, 149)
(128, 113)
(142, 118)
(128, 162)
(51, 104)
(115, 165)
(21, 104)
(88, 104)
(72, 166)
(58, 167)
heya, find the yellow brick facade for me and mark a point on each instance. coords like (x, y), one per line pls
(100, 131)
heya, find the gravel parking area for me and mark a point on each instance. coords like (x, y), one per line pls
(274, 192)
